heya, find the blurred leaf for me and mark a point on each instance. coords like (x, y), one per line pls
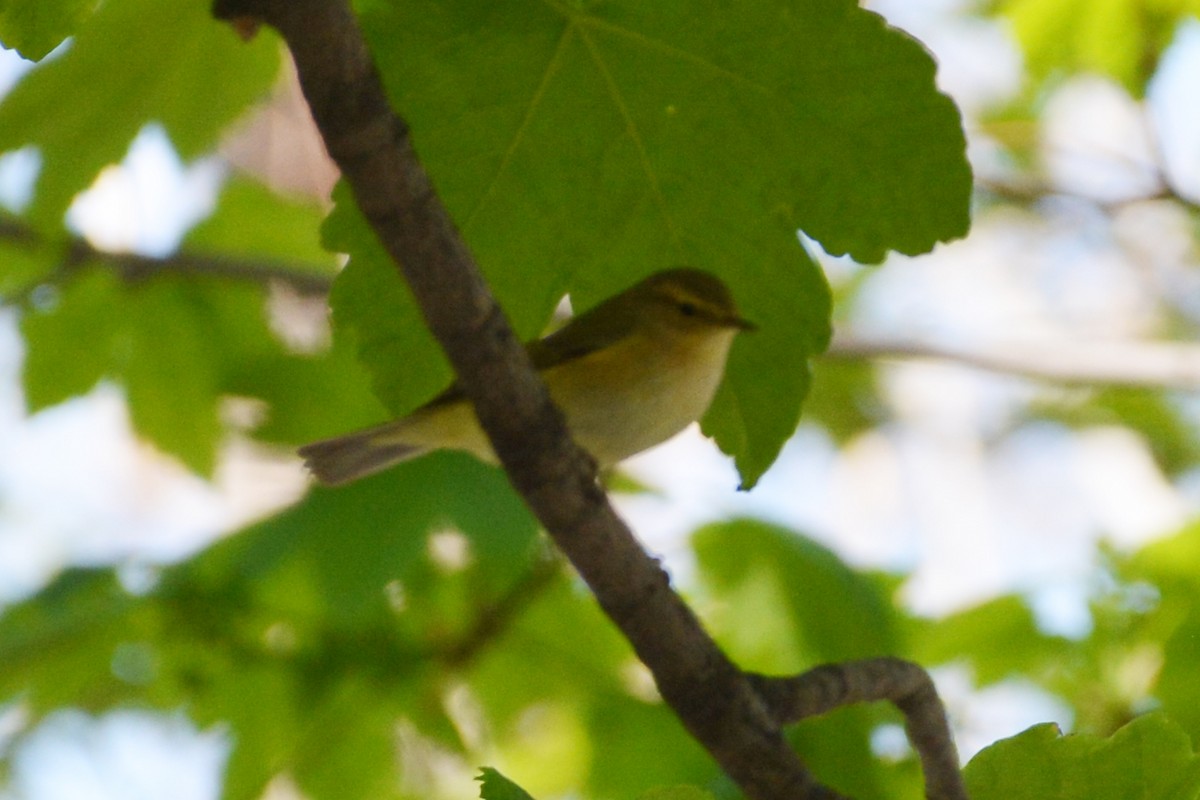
(264, 709)
(342, 589)
(1166, 426)
(618, 481)
(1122, 39)
(494, 786)
(35, 27)
(56, 650)
(170, 373)
(582, 664)
(1015, 126)
(1173, 560)
(549, 748)
(1150, 758)
(676, 793)
(164, 62)
(578, 654)
(638, 744)
(780, 603)
(334, 555)
(351, 733)
(1172, 567)
(569, 170)
(837, 748)
(844, 399)
(24, 263)
(807, 606)
(311, 633)
(1178, 685)
(999, 638)
(80, 320)
(171, 341)
(308, 396)
(255, 222)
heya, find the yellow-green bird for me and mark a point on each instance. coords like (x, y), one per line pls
(628, 374)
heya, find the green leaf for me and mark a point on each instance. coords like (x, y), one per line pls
(677, 793)
(256, 223)
(354, 733)
(844, 399)
(757, 407)
(35, 27)
(808, 606)
(780, 603)
(81, 320)
(837, 748)
(264, 709)
(164, 62)
(494, 786)
(57, 647)
(700, 123)
(373, 309)
(165, 367)
(1177, 685)
(174, 342)
(307, 396)
(24, 264)
(624, 730)
(1162, 420)
(999, 638)
(1150, 759)
(170, 374)
(334, 555)
(1171, 568)
(580, 149)
(578, 652)
(1119, 38)
(311, 633)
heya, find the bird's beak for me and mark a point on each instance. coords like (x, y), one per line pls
(742, 324)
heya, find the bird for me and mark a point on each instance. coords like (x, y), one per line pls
(628, 374)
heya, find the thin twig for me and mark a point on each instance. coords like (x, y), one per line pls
(77, 253)
(904, 684)
(1136, 364)
(1150, 364)
(494, 619)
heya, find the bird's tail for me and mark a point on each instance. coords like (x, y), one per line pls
(343, 459)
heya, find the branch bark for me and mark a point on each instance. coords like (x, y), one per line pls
(372, 147)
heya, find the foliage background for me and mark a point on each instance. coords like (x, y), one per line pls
(169, 580)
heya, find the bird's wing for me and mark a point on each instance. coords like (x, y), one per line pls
(593, 330)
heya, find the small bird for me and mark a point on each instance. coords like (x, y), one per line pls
(628, 374)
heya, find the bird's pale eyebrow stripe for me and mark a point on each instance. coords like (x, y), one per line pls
(679, 295)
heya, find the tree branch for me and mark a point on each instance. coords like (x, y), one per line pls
(372, 147)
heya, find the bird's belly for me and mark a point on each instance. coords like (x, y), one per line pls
(612, 436)
(613, 420)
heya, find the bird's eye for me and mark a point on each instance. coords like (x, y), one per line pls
(687, 309)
